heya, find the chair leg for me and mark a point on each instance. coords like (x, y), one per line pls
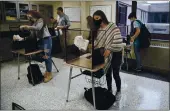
(127, 62)
(55, 65)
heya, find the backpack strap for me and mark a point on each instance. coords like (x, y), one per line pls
(139, 22)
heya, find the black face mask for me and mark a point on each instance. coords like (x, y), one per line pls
(97, 22)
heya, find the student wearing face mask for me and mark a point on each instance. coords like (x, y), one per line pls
(63, 25)
(111, 40)
(39, 30)
(135, 31)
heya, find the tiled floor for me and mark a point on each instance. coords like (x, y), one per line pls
(138, 93)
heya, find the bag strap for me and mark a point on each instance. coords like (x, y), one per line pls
(139, 22)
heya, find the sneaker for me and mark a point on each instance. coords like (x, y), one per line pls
(118, 96)
(116, 105)
(48, 77)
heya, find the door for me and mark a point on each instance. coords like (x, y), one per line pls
(121, 17)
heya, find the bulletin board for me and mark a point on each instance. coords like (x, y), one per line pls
(107, 9)
(74, 13)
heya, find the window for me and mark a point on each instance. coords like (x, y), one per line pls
(10, 11)
(143, 16)
(23, 9)
(158, 17)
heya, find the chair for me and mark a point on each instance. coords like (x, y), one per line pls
(97, 76)
(127, 51)
(37, 58)
(16, 107)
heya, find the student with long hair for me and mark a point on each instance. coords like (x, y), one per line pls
(111, 40)
(40, 30)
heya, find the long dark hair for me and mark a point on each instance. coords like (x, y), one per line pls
(104, 20)
(37, 15)
(102, 15)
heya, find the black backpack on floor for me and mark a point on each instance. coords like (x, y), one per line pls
(104, 99)
(36, 73)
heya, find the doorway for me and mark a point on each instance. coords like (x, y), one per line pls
(121, 17)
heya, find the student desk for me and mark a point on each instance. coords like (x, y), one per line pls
(83, 62)
(29, 55)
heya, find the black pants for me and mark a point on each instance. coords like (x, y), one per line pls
(115, 68)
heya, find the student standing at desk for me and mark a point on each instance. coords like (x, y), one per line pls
(39, 30)
(111, 40)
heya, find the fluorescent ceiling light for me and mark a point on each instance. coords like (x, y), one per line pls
(157, 1)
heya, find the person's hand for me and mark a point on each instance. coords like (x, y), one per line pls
(60, 27)
(45, 57)
(26, 27)
(56, 28)
(106, 53)
(17, 38)
(132, 39)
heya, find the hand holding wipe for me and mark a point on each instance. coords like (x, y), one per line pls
(24, 27)
(17, 38)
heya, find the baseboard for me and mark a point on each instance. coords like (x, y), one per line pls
(132, 65)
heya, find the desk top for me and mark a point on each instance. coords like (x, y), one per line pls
(84, 63)
(22, 51)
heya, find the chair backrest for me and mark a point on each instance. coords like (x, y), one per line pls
(17, 107)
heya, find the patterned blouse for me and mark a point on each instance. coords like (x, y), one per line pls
(110, 38)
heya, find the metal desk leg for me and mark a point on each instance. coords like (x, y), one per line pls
(81, 71)
(31, 70)
(0, 65)
(69, 82)
(18, 67)
(93, 90)
(54, 65)
(126, 62)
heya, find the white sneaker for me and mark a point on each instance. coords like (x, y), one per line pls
(116, 105)
(118, 96)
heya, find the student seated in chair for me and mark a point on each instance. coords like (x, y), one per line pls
(40, 30)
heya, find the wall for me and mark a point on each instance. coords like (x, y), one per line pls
(73, 4)
(156, 58)
(85, 11)
(112, 3)
(72, 34)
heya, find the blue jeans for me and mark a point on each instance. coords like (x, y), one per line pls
(46, 44)
(137, 54)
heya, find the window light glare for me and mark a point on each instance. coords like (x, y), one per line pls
(157, 1)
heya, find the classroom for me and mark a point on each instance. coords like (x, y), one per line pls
(84, 55)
